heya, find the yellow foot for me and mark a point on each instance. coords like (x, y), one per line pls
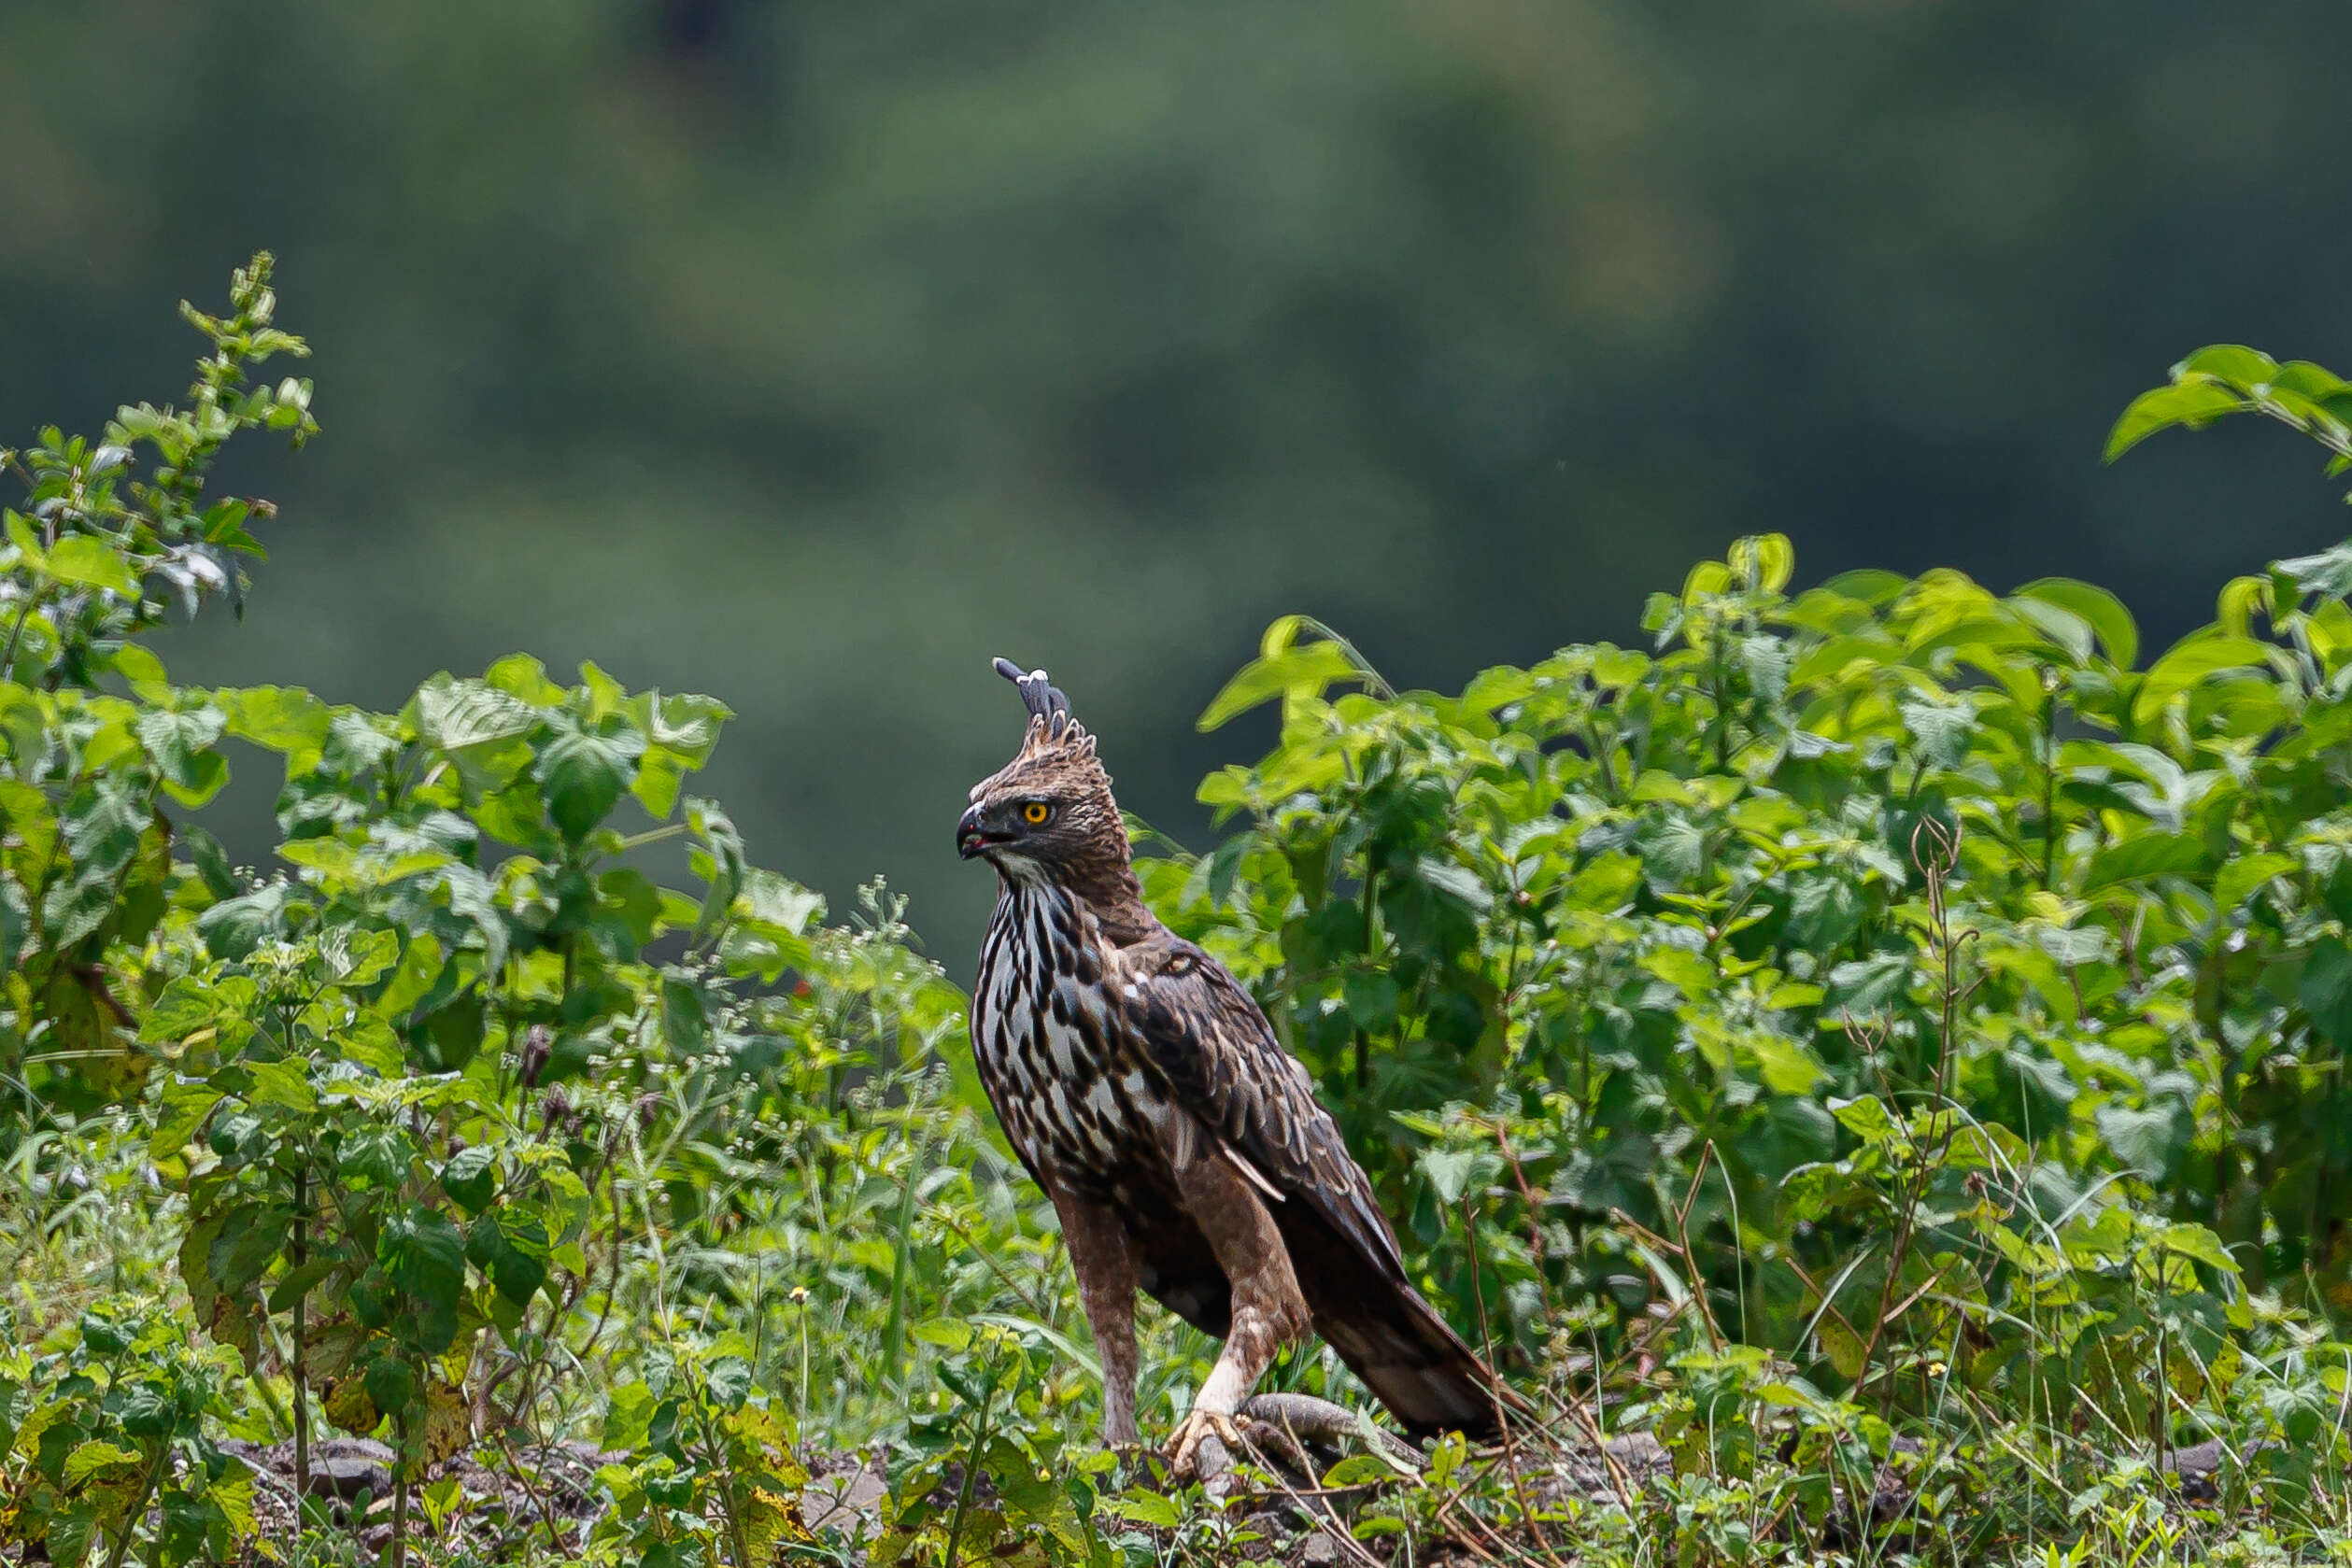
(1184, 1449)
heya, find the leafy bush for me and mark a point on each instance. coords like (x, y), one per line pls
(1880, 1038)
(121, 1427)
(1881, 842)
(402, 1096)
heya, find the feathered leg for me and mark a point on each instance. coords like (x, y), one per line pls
(1269, 1314)
(1106, 1288)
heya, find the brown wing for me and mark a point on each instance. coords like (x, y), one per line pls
(1224, 1065)
(1219, 1055)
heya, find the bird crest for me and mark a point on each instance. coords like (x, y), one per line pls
(1055, 740)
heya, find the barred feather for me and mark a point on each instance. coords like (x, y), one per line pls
(1104, 1040)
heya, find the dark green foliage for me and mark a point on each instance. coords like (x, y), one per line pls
(398, 1091)
(116, 1424)
(1882, 843)
(1884, 1009)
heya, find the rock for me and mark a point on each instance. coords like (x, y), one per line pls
(1641, 1454)
(1319, 1548)
(2198, 1466)
(1580, 1470)
(347, 1475)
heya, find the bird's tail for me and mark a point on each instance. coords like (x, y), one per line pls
(1413, 1363)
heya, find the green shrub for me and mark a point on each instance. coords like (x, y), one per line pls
(1885, 1010)
(1821, 857)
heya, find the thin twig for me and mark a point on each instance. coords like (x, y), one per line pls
(1502, 1416)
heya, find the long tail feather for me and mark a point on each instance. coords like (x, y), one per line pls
(1394, 1340)
(1417, 1366)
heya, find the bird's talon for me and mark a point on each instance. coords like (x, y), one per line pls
(1183, 1448)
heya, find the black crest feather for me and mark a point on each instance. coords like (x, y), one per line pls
(1043, 699)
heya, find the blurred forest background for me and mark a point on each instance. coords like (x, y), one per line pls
(1097, 334)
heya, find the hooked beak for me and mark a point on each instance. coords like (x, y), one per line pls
(971, 838)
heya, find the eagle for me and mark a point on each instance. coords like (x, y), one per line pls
(1183, 1148)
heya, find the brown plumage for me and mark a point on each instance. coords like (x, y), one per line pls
(1184, 1149)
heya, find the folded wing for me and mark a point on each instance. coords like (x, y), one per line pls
(1224, 1065)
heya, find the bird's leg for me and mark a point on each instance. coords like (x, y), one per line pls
(1106, 1288)
(1269, 1313)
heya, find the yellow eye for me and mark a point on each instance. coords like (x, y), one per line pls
(1035, 813)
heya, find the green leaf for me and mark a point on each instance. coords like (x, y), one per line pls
(948, 1334)
(581, 777)
(2241, 878)
(471, 1177)
(1864, 987)
(98, 1457)
(2044, 1088)
(92, 563)
(390, 1384)
(2194, 658)
(2327, 574)
(363, 956)
(180, 743)
(2241, 367)
(233, 928)
(2325, 991)
(523, 677)
(2146, 1141)
(211, 862)
(721, 862)
(1866, 1117)
(1824, 913)
(284, 719)
(2103, 612)
(1688, 972)
(779, 902)
(1150, 1509)
(183, 1110)
(249, 1241)
(420, 969)
(518, 1267)
(730, 1381)
(1285, 668)
(377, 1156)
(1452, 1173)
(70, 1533)
(369, 1040)
(685, 1020)
(1784, 1065)
(455, 714)
(686, 725)
(2313, 381)
(1371, 1001)
(424, 1254)
(187, 1005)
(1357, 1470)
(300, 1283)
(661, 775)
(284, 1083)
(2071, 946)
(2193, 403)
(143, 672)
(628, 1413)
(2195, 1241)
(16, 922)
(2150, 855)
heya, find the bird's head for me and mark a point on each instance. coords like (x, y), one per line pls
(1046, 816)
